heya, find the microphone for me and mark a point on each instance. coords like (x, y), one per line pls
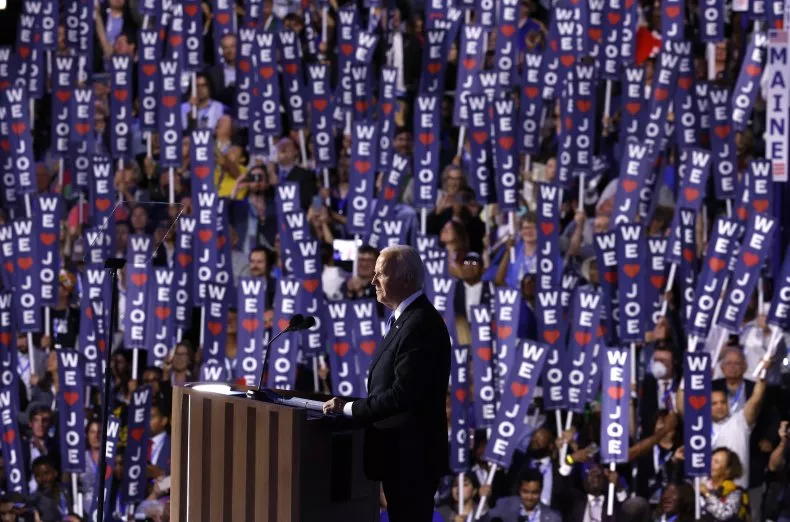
(297, 322)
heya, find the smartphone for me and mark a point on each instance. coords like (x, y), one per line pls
(592, 448)
(318, 202)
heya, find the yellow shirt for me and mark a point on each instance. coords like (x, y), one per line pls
(226, 183)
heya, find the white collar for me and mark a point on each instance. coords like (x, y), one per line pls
(593, 498)
(405, 304)
(158, 439)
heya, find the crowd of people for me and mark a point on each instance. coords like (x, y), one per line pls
(748, 477)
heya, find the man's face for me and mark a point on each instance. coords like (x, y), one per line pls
(257, 264)
(719, 408)
(733, 365)
(366, 263)
(181, 358)
(45, 476)
(665, 358)
(151, 378)
(228, 46)
(529, 493)
(40, 424)
(382, 280)
(402, 144)
(202, 88)
(601, 224)
(158, 421)
(286, 153)
(595, 482)
(529, 231)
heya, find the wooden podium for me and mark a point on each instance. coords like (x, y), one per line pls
(239, 459)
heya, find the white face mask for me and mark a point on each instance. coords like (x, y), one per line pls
(658, 369)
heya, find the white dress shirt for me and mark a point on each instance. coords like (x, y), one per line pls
(545, 467)
(594, 511)
(157, 443)
(397, 313)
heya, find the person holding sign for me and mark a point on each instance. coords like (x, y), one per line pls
(723, 499)
(406, 445)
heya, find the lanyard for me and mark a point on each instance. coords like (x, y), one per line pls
(736, 398)
(658, 464)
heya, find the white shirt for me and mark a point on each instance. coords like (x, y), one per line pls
(473, 295)
(157, 443)
(546, 469)
(733, 433)
(397, 313)
(594, 511)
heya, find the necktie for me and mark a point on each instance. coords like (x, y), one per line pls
(388, 326)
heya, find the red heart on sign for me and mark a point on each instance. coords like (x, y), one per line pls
(426, 138)
(567, 60)
(518, 389)
(778, 24)
(657, 281)
(82, 128)
(223, 18)
(362, 166)
(101, 344)
(191, 9)
(5, 144)
(553, 45)
(610, 277)
(480, 137)
(320, 105)
(71, 397)
(484, 352)
(149, 69)
(162, 312)
(672, 11)
(18, 128)
(506, 142)
(629, 185)
(340, 348)
(310, 285)
(600, 331)
(5, 338)
(9, 267)
(266, 72)
(661, 94)
(347, 49)
(547, 228)
(583, 105)
(551, 336)
(691, 194)
(633, 107)
(568, 123)
(684, 83)
(742, 213)
(102, 204)
(386, 108)
(137, 433)
(716, 264)
(389, 193)
(250, 324)
(220, 241)
(616, 392)
(508, 30)
(722, 131)
(9, 436)
(460, 395)
(89, 313)
(760, 205)
(121, 94)
(282, 324)
(750, 258)
(202, 171)
(291, 68)
(205, 235)
(531, 92)
(753, 70)
(184, 259)
(63, 95)
(614, 18)
(47, 238)
(631, 270)
(594, 33)
(244, 66)
(698, 401)
(582, 338)
(434, 67)
(215, 327)
(175, 40)
(24, 52)
(169, 101)
(470, 63)
(503, 332)
(24, 262)
(368, 347)
(138, 279)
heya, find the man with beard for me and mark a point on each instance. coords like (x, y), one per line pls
(527, 505)
(540, 456)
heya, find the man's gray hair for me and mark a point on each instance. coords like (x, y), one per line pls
(407, 267)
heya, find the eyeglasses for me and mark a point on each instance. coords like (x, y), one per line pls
(471, 262)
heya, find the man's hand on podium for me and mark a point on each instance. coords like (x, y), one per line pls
(334, 405)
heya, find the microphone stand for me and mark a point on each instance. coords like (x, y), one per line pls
(112, 264)
(290, 328)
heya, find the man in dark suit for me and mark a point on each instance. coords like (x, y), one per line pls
(542, 457)
(659, 387)
(222, 76)
(406, 443)
(590, 505)
(288, 170)
(526, 506)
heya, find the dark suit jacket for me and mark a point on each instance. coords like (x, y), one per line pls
(648, 402)
(559, 484)
(577, 506)
(307, 185)
(163, 459)
(459, 302)
(405, 409)
(221, 93)
(507, 510)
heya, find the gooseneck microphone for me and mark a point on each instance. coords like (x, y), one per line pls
(298, 322)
